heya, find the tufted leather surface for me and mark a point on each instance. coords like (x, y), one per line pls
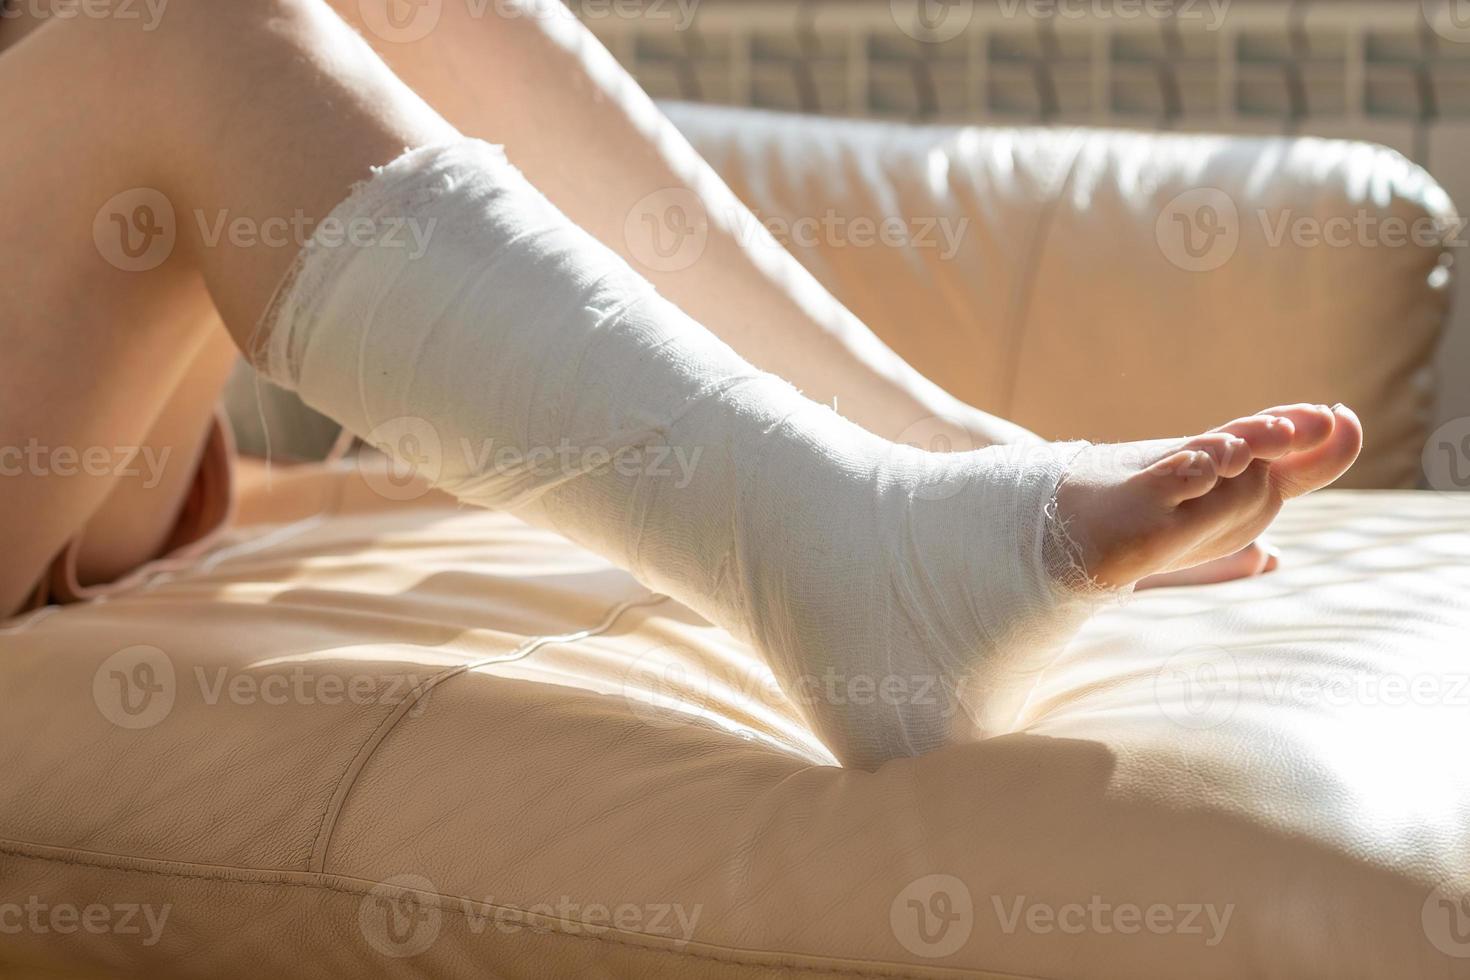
(1033, 264)
(1243, 747)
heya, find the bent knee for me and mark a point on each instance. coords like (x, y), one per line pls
(223, 43)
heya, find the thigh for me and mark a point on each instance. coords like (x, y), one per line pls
(527, 74)
(141, 513)
(117, 175)
(94, 343)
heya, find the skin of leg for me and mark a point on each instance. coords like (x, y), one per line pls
(93, 352)
(135, 520)
(500, 72)
(1160, 506)
(140, 506)
(528, 74)
(554, 63)
(260, 109)
(128, 526)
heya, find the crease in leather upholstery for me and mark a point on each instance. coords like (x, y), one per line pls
(1025, 284)
(472, 909)
(364, 754)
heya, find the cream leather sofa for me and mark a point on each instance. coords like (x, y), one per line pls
(374, 737)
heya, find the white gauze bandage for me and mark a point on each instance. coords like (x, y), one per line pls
(903, 598)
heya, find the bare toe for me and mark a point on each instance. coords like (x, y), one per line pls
(1273, 559)
(1311, 424)
(1269, 436)
(1182, 476)
(1305, 471)
(1254, 559)
(1231, 453)
(1207, 499)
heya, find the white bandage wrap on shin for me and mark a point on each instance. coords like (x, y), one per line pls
(902, 598)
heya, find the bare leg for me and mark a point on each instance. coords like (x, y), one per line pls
(501, 71)
(140, 512)
(140, 506)
(118, 392)
(539, 67)
(224, 107)
(260, 111)
(527, 74)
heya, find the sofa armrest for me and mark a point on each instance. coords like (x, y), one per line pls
(1117, 285)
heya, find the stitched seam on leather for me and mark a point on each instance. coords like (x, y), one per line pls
(1026, 282)
(718, 954)
(348, 777)
(322, 841)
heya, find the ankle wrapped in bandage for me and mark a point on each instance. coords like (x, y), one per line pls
(538, 373)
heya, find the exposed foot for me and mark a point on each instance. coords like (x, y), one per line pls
(1256, 558)
(1145, 508)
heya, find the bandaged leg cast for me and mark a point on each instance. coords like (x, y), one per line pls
(834, 552)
